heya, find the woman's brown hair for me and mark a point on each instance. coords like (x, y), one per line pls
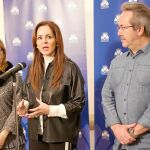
(37, 70)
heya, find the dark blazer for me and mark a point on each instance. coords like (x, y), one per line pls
(70, 93)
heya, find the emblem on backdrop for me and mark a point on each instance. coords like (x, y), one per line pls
(80, 134)
(104, 4)
(14, 10)
(105, 135)
(116, 19)
(29, 25)
(42, 8)
(30, 56)
(104, 70)
(73, 38)
(118, 52)
(16, 41)
(133, 0)
(105, 37)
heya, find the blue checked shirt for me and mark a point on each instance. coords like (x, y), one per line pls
(126, 92)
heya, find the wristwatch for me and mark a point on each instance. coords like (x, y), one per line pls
(133, 133)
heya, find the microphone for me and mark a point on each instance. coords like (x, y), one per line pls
(12, 71)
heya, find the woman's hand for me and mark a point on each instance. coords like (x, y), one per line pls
(22, 108)
(3, 136)
(42, 109)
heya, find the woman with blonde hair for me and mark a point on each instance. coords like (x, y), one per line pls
(4, 65)
(7, 107)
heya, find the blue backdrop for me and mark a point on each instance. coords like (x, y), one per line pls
(106, 46)
(20, 19)
(21, 16)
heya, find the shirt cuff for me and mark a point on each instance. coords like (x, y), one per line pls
(26, 104)
(57, 111)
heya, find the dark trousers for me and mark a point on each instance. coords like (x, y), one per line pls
(40, 145)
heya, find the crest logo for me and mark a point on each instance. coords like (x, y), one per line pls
(105, 135)
(30, 56)
(105, 37)
(133, 0)
(29, 25)
(118, 52)
(104, 70)
(16, 41)
(42, 8)
(80, 134)
(104, 4)
(116, 19)
(73, 38)
(14, 11)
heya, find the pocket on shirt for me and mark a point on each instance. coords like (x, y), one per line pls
(142, 74)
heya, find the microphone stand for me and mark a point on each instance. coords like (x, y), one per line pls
(16, 116)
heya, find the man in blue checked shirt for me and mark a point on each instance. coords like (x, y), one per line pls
(126, 91)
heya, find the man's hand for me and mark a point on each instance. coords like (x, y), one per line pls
(122, 134)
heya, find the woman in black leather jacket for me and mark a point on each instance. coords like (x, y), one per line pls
(53, 93)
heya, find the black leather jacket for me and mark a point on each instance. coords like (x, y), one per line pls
(70, 93)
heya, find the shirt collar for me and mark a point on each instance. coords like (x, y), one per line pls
(47, 61)
(145, 50)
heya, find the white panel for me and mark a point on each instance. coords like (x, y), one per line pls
(90, 53)
(2, 31)
(89, 21)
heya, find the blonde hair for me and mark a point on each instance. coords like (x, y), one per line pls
(3, 66)
(141, 15)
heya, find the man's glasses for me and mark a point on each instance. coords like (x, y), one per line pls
(123, 28)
